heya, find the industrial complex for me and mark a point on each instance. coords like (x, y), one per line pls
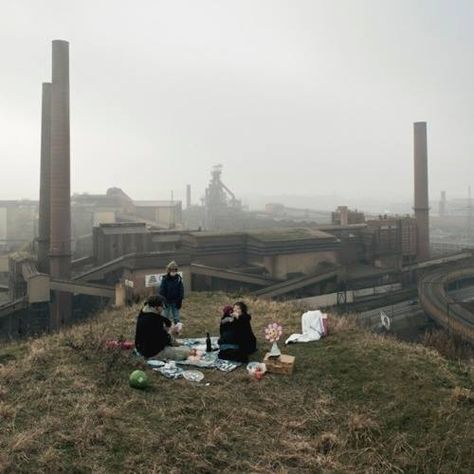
(64, 256)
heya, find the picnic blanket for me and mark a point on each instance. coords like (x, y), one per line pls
(208, 360)
(198, 343)
(313, 327)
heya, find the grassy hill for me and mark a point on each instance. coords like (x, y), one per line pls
(357, 402)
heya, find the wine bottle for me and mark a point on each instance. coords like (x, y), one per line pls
(208, 343)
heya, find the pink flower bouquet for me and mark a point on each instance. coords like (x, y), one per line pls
(273, 332)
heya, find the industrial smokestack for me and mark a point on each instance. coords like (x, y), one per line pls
(44, 201)
(421, 206)
(469, 212)
(442, 204)
(188, 196)
(60, 238)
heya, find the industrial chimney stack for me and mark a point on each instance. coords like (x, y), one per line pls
(44, 201)
(442, 204)
(421, 206)
(188, 196)
(60, 186)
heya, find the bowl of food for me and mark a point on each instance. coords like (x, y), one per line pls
(193, 375)
(256, 369)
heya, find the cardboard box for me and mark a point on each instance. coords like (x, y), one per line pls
(279, 365)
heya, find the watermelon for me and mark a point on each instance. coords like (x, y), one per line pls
(138, 379)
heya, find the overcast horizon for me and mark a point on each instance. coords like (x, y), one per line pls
(303, 98)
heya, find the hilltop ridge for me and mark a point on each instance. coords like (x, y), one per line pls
(357, 402)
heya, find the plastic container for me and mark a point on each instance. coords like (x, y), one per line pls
(193, 375)
(256, 369)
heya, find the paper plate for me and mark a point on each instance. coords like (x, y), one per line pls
(193, 375)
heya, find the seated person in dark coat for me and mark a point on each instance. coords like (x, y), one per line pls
(152, 337)
(237, 339)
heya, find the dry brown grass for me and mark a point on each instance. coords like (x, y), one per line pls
(450, 346)
(462, 394)
(356, 403)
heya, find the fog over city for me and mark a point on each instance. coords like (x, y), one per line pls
(306, 98)
(236, 236)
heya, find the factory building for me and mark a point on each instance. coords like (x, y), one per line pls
(221, 209)
(390, 241)
(112, 241)
(345, 216)
(90, 210)
(279, 254)
(18, 224)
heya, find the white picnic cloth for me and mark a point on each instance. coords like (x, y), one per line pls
(312, 327)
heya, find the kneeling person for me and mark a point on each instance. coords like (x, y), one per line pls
(152, 337)
(237, 340)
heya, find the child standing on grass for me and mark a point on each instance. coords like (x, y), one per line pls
(172, 290)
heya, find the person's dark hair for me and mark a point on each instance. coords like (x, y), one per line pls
(227, 311)
(155, 301)
(242, 306)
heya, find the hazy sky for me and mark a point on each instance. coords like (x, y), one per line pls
(304, 97)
